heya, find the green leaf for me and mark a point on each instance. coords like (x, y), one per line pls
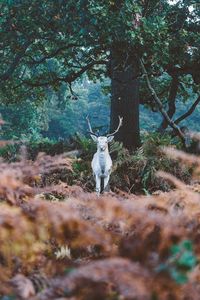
(175, 249)
(179, 277)
(187, 244)
(188, 260)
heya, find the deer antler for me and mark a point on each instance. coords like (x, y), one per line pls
(120, 124)
(90, 127)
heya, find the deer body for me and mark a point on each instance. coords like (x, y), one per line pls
(102, 162)
(101, 165)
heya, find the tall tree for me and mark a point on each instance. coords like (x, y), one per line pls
(49, 43)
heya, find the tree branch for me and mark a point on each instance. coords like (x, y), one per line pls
(16, 61)
(68, 78)
(171, 102)
(189, 112)
(160, 106)
(146, 6)
(74, 96)
(184, 69)
(53, 54)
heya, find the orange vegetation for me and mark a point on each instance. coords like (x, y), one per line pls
(85, 247)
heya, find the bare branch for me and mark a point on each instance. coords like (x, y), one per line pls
(171, 102)
(120, 124)
(73, 94)
(160, 106)
(189, 112)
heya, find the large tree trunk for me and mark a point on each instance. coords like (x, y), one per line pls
(125, 96)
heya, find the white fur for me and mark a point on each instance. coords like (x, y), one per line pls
(101, 162)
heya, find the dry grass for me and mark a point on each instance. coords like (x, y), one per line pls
(118, 246)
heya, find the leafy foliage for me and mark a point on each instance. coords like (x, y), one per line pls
(55, 121)
(136, 172)
(181, 261)
(45, 48)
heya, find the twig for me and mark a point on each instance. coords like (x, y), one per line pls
(74, 95)
(189, 112)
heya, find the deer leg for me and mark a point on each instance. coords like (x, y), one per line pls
(106, 180)
(98, 184)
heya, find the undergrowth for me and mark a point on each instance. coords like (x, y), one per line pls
(136, 172)
(59, 242)
(11, 151)
(132, 172)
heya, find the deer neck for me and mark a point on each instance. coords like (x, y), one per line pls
(102, 157)
(103, 153)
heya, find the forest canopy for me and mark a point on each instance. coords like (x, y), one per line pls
(46, 47)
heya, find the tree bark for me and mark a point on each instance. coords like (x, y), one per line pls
(125, 96)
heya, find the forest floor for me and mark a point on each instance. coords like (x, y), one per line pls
(58, 241)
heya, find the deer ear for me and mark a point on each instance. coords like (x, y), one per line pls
(95, 139)
(110, 138)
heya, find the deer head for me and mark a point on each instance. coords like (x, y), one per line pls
(102, 141)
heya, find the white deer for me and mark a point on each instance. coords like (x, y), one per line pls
(102, 162)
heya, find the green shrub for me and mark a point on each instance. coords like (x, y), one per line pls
(182, 260)
(10, 152)
(50, 147)
(136, 172)
(86, 145)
